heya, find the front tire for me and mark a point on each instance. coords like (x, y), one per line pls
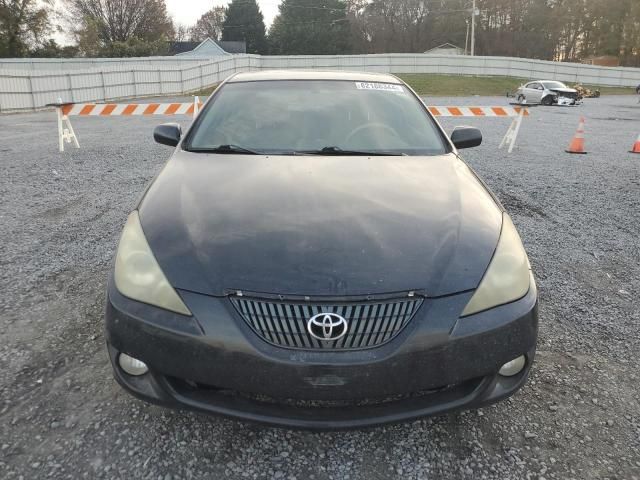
(547, 101)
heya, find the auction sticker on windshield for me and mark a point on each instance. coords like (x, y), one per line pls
(388, 87)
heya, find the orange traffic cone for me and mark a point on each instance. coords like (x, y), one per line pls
(577, 142)
(636, 146)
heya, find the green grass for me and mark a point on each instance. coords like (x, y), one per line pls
(462, 86)
(613, 90)
(435, 85)
(205, 92)
(459, 86)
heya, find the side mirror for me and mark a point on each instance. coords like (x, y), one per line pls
(466, 137)
(168, 134)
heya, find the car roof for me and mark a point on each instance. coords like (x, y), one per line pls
(265, 75)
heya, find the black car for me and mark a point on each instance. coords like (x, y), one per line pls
(315, 254)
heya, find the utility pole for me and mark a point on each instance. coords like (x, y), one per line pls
(466, 39)
(473, 29)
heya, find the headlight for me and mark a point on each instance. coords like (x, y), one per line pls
(137, 273)
(507, 278)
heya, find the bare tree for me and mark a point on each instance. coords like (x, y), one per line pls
(23, 23)
(182, 33)
(546, 29)
(121, 20)
(209, 25)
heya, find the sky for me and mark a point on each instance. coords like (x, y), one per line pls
(187, 12)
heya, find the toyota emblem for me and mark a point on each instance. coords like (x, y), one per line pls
(327, 326)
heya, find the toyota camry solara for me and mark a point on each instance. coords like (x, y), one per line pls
(316, 254)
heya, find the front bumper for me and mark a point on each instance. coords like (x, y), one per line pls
(566, 101)
(213, 363)
(565, 98)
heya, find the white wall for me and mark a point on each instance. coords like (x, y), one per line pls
(28, 84)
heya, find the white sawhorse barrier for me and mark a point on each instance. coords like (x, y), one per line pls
(66, 110)
(517, 113)
(66, 133)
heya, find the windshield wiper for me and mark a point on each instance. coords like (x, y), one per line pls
(227, 148)
(333, 150)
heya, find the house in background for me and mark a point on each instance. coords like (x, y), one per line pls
(206, 48)
(603, 61)
(446, 49)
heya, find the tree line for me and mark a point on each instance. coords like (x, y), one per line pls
(563, 30)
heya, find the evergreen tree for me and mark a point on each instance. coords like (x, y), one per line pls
(313, 27)
(244, 22)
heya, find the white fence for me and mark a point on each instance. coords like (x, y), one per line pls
(31, 84)
(65, 64)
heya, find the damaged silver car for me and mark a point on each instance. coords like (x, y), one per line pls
(547, 92)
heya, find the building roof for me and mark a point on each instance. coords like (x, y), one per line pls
(176, 48)
(207, 48)
(233, 46)
(313, 75)
(445, 46)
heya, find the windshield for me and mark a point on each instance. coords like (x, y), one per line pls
(298, 117)
(554, 85)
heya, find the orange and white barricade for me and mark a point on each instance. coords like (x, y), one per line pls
(517, 113)
(66, 110)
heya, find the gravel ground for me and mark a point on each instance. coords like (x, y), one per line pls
(63, 416)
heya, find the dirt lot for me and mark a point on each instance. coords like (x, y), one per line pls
(63, 416)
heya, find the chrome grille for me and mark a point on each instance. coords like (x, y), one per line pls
(370, 324)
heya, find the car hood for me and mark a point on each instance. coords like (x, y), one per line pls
(564, 90)
(320, 226)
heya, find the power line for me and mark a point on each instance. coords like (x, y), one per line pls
(330, 22)
(297, 6)
(323, 22)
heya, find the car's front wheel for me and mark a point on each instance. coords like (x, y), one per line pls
(547, 101)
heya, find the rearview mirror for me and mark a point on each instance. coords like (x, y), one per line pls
(466, 137)
(168, 134)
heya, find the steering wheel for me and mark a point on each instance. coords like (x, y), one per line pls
(369, 126)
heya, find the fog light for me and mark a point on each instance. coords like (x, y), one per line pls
(513, 367)
(131, 365)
